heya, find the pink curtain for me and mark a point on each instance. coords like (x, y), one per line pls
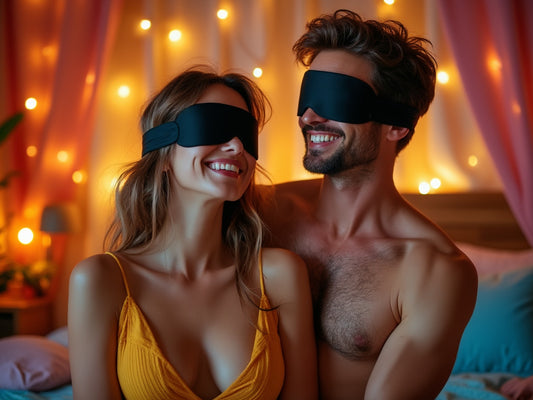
(492, 41)
(54, 51)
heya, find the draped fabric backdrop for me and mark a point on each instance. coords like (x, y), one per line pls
(55, 52)
(91, 68)
(498, 36)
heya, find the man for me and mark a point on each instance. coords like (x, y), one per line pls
(392, 293)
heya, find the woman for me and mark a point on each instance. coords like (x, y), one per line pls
(187, 305)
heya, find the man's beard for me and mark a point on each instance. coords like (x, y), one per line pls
(361, 152)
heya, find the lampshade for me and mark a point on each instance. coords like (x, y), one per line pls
(60, 218)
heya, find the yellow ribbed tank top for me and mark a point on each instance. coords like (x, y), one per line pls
(144, 372)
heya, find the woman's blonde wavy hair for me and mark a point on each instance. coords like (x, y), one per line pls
(142, 191)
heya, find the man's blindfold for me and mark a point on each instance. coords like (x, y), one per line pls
(205, 124)
(347, 99)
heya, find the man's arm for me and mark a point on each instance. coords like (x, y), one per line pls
(434, 300)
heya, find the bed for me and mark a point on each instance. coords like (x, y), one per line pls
(496, 345)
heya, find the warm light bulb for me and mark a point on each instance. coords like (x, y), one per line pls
(258, 72)
(145, 24)
(31, 151)
(435, 183)
(78, 176)
(123, 91)
(174, 35)
(389, 2)
(516, 108)
(62, 156)
(25, 236)
(424, 188)
(472, 161)
(222, 14)
(30, 103)
(48, 51)
(90, 78)
(494, 64)
(443, 77)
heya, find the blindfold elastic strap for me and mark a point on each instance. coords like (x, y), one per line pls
(159, 137)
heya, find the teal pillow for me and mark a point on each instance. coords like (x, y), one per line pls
(499, 336)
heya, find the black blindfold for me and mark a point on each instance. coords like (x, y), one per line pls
(347, 99)
(205, 124)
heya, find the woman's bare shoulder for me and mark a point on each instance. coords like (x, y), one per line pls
(97, 267)
(97, 275)
(284, 272)
(277, 257)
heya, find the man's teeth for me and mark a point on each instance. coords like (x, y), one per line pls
(323, 138)
(228, 167)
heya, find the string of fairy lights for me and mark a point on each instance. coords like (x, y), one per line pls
(425, 186)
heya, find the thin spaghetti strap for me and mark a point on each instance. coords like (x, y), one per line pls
(261, 278)
(121, 271)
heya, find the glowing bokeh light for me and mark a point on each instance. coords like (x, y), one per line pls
(435, 183)
(424, 188)
(123, 91)
(473, 161)
(31, 151)
(222, 14)
(443, 77)
(78, 176)
(62, 156)
(494, 64)
(30, 103)
(517, 110)
(257, 72)
(25, 236)
(174, 35)
(145, 24)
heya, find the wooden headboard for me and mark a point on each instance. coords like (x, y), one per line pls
(481, 218)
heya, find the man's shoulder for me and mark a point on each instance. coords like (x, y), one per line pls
(429, 242)
(433, 257)
(304, 185)
(285, 205)
(301, 188)
(293, 195)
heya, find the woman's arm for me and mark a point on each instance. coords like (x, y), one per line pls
(96, 293)
(287, 286)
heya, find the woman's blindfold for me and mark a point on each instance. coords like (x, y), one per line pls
(205, 124)
(347, 99)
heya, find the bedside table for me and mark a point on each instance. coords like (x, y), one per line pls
(25, 316)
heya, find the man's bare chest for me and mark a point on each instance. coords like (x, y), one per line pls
(353, 285)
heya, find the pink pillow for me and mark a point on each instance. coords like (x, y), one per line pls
(492, 261)
(34, 363)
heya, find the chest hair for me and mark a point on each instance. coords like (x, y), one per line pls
(351, 295)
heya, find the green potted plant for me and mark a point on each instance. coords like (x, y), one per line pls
(7, 267)
(5, 130)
